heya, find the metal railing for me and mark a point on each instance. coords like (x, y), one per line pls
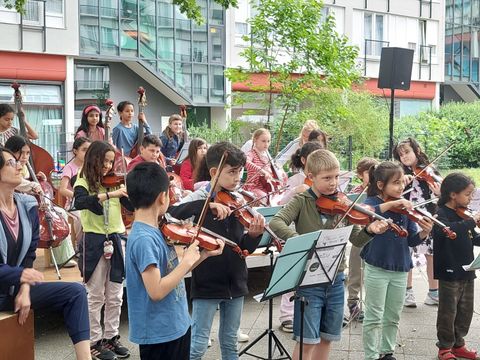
(425, 60)
(373, 48)
(422, 2)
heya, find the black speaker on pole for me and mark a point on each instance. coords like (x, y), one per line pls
(395, 68)
(395, 73)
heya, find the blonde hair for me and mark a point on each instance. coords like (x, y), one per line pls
(168, 131)
(309, 125)
(259, 132)
(321, 160)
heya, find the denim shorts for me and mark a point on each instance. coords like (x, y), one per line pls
(323, 313)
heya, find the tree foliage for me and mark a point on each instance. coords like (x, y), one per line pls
(299, 51)
(18, 5)
(435, 130)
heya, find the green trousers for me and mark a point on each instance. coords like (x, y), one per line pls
(384, 298)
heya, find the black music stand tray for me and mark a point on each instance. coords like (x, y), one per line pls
(286, 275)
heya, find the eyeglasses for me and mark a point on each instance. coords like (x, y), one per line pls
(12, 162)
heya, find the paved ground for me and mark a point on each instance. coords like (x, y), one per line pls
(416, 340)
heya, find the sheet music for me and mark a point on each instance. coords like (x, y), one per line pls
(329, 249)
(474, 265)
(475, 203)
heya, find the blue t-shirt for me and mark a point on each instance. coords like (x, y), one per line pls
(125, 138)
(153, 322)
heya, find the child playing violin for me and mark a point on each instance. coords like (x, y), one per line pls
(259, 165)
(296, 185)
(324, 313)
(190, 167)
(157, 303)
(411, 156)
(226, 284)
(7, 114)
(101, 252)
(456, 286)
(149, 151)
(91, 125)
(125, 134)
(172, 138)
(387, 261)
(354, 281)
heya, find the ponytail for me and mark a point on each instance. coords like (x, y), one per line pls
(382, 172)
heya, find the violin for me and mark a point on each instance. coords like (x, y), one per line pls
(426, 173)
(359, 214)
(186, 233)
(244, 213)
(112, 180)
(416, 215)
(466, 213)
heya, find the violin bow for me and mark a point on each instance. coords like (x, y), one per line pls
(425, 202)
(260, 198)
(435, 159)
(201, 218)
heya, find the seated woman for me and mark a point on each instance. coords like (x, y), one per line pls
(21, 286)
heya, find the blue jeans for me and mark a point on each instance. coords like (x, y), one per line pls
(323, 313)
(203, 311)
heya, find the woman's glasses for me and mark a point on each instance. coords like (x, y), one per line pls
(12, 162)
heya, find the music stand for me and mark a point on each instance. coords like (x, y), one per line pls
(266, 241)
(307, 260)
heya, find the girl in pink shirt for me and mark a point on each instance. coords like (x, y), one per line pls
(91, 125)
(196, 152)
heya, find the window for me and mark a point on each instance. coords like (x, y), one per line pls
(54, 7)
(424, 49)
(91, 85)
(241, 28)
(43, 104)
(374, 34)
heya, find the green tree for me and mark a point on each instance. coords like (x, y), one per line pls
(289, 38)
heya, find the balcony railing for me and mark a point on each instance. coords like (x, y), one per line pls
(425, 60)
(373, 48)
(91, 85)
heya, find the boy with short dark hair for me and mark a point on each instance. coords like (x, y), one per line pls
(149, 151)
(157, 305)
(324, 312)
(222, 280)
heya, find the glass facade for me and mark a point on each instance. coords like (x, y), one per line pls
(462, 40)
(188, 56)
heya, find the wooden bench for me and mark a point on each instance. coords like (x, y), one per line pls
(16, 342)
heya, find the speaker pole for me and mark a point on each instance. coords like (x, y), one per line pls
(392, 115)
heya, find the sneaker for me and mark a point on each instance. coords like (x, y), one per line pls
(118, 349)
(356, 313)
(410, 299)
(241, 337)
(100, 352)
(464, 352)
(287, 326)
(209, 342)
(432, 298)
(388, 357)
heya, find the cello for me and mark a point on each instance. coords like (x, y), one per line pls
(142, 103)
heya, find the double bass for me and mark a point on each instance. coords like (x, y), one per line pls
(53, 226)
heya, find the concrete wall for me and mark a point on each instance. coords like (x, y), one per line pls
(62, 35)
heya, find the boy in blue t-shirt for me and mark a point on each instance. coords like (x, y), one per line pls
(157, 304)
